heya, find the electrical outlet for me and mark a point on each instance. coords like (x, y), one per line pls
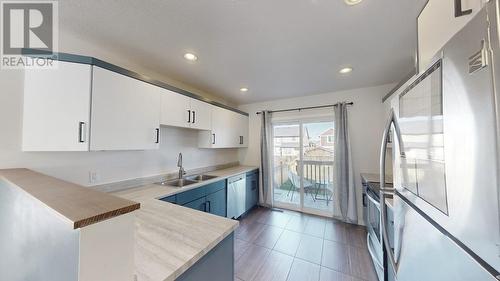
(94, 177)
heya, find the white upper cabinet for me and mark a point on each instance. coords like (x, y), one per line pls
(82, 107)
(125, 112)
(201, 115)
(228, 130)
(218, 136)
(57, 108)
(175, 109)
(182, 111)
(242, 126)
(438, 22)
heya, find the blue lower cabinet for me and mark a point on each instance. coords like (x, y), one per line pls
(252, 190)
(214, 187)
(190, 195)
(170, 199)
(210, 198)
(218, 264)
(217, 203)
(198, 204)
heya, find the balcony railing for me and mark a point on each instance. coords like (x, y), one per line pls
(318, 171)
(318, 176)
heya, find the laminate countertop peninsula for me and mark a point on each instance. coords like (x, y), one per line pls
(171, 238)
(78, 205)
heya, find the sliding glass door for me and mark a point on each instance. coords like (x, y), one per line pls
(303, 165)
(287, 151)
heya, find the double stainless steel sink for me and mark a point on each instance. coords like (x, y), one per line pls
(186, 180)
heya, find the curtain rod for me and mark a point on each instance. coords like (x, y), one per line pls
(310, 107)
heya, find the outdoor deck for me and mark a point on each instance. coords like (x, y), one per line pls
(319, 201)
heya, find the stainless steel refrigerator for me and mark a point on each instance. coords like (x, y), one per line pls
(446, 162)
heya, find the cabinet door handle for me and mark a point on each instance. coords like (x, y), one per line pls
(213, 138)
(189, 116)
(82, 132)
(157, 135)
(458, 9)
(241, 139)
(209, 206)
(194, 116)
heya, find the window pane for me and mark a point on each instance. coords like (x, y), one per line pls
(318, 148)
(286, 156)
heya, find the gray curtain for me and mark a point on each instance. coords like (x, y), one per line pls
(266, 155)
(345, 206)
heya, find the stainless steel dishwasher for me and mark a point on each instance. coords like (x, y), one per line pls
(236, 196)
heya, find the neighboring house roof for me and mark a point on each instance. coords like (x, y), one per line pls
(319, 149)
(286, 131)
(328, 132)
(291, 132)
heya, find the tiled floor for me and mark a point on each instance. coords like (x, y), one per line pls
(290, 246)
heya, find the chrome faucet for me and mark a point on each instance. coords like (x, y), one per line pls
(182, 172)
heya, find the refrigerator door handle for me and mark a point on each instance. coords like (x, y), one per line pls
(385, 191)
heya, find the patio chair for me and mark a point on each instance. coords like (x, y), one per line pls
(328, 188)
(295, 180)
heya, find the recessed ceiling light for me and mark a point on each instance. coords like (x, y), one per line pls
(352, 2)
(345, 70)
(243, 90)
(190, 56)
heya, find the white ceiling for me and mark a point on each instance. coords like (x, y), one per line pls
(276, 48)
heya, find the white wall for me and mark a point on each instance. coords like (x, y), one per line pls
(366, 121)
(111, 166)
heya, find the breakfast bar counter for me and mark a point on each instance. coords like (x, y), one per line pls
(170, 238)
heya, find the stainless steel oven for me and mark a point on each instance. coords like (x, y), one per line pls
(373, 216)
(373, 225)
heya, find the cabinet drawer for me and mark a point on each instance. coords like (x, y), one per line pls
(214, 187)
(190, 195)
(171, 199)
(216, 203)
(198, 204)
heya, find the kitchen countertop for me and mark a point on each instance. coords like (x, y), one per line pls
(156, 191)
(78, 205)
(171, 238)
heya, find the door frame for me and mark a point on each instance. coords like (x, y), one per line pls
(300, 168)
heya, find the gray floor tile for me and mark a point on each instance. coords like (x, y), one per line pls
(297, 223)
(315, 226)
(310, 249)
(288, 242)
(335, 231)
(335, 256)
(275, 268)
(268, 237)
(303, 271)
(327, 274)
(240, 246)
(275, 218)
(361, 264)
(250, 262)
